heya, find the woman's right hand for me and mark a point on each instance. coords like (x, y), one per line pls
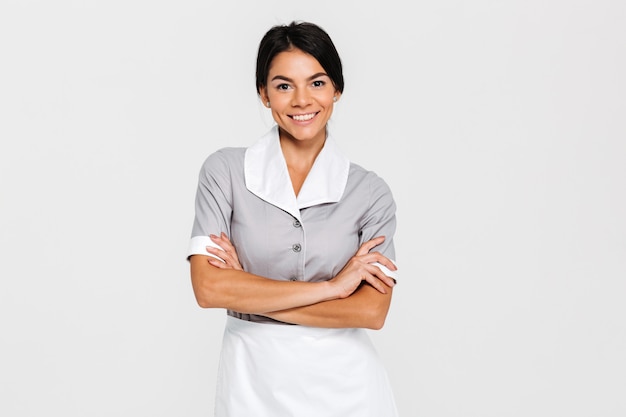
(359, 268)
(228, 255)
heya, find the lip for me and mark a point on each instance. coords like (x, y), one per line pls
(312, 115)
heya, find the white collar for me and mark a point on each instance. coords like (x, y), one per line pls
(267, 177)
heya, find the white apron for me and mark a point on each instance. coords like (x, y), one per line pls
(274, 370)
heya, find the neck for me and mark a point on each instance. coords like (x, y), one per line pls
(300, 157)
(300, 153)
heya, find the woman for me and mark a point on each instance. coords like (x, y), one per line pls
(283, 239)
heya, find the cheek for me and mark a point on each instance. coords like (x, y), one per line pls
(325, 100)
(278, 100)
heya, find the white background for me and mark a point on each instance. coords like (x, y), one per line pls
(498, 125)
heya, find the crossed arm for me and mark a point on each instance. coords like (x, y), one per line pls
(359, 296)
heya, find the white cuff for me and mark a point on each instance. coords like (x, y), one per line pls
(198, 244)
(387, 271)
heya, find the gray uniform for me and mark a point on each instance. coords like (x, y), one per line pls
(246, 193)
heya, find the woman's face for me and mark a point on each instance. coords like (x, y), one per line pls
(300, 95)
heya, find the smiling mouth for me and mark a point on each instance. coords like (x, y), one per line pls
(303, 117)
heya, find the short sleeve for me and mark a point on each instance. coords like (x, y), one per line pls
(213, 204)
(380, 220)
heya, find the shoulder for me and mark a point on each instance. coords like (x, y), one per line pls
(368, 181)
(223, 159)
(225, 155)
(222, 166)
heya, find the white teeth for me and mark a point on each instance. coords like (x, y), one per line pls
(303, 117)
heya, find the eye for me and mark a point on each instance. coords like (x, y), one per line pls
(282, 87)
(319, 83)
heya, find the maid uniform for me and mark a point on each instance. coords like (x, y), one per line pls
(273, 369)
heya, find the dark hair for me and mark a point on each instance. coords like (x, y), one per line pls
(307, 37)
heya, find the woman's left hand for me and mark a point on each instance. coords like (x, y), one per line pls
(228, 254)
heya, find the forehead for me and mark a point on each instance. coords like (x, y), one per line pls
(294, 61)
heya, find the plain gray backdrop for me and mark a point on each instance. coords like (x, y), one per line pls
(500, 127)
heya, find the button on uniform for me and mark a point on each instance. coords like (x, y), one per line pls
(298, 233)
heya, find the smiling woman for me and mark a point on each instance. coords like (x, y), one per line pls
(301, 96)
(283, 239)
(300, 93)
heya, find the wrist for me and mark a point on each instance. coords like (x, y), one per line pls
(328, 291)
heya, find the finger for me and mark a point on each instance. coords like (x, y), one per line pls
(222, 241)
(378, 273)
(225, 237)
(375, 282)
(225, 244)
(224, 256)
(386, 262)
(222, 238)
(389, 281)
(227, 258)
(217, 263)
(380, 258)
(369, 245)
(222, 265)
(217, 252)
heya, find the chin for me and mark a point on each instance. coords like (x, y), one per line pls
(306, 133)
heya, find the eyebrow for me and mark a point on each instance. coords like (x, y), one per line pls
(312, 77)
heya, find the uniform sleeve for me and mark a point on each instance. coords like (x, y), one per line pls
(213, 204)
(380, 220)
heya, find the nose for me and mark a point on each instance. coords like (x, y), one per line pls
(301, 97)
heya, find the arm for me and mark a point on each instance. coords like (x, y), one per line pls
(364, 305)
(234, 289)
(247, 293)
(366, 308)
(223, 284)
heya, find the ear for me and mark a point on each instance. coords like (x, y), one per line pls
(337, 96)
(263, 95)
